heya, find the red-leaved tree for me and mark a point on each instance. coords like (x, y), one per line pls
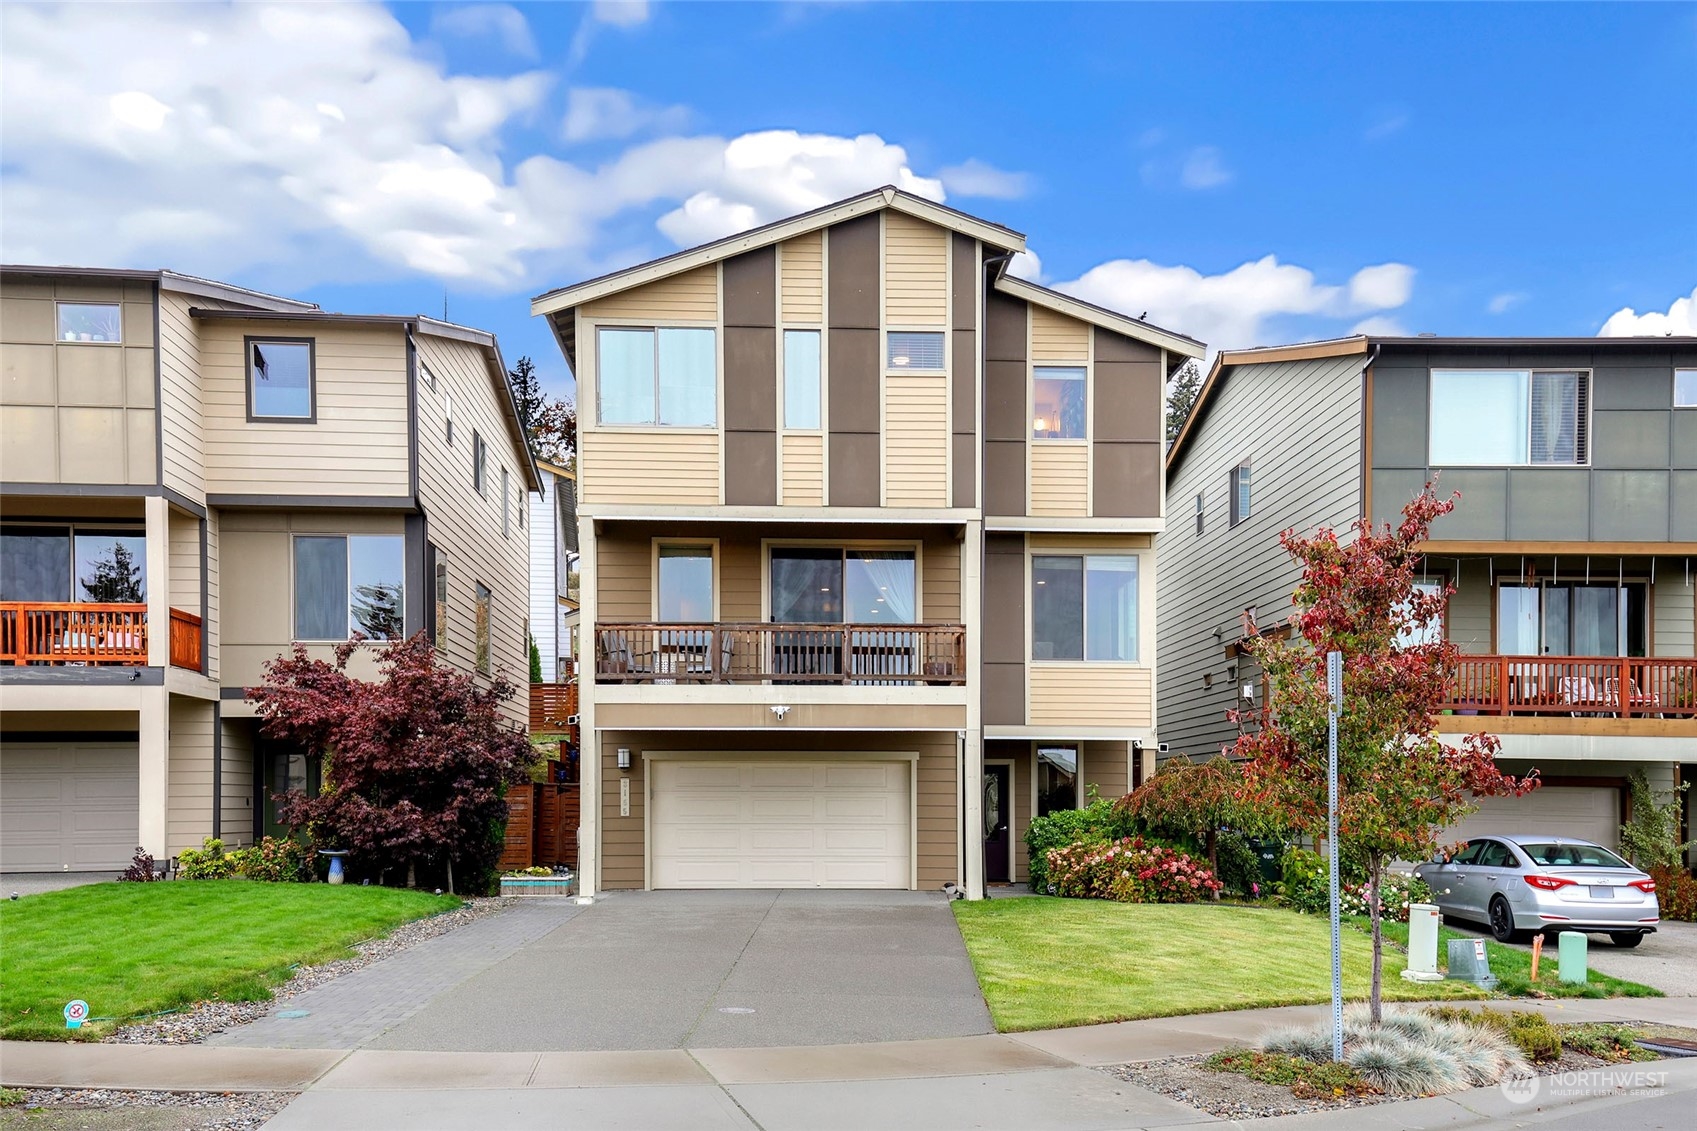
(1194, 800)
(416, 763)
(1399, 787)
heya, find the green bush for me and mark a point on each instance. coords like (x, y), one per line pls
(1240, 867)
(1097, 823)
(274, 860)
(208, 862)
(1304, 881)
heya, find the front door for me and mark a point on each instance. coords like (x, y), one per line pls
(998, 821)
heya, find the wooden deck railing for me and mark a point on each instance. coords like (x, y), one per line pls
(185, 640)
(1619, 687)
(62, 632)
(645, 652)
(551, 704)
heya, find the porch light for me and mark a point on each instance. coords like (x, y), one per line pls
(624, 757)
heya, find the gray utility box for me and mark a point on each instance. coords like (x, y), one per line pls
(1468, 963)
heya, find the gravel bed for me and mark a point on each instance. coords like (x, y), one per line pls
(201, 1111)
(193, 1025)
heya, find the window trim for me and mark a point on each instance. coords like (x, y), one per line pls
(348, 598)
(1237, 513)
(1677, 370)
(1585, 423)
(711, 545)
(61, 341)
(483, 638)
(251, 340)
(479, 464)
(891, 369)
(1083, 369)
(654, 328)
(767, 545)
(1084, 555)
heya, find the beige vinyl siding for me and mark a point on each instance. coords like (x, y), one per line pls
(915, 271)
(623, 568)
(622, 863)
(916, 433)
(804, 469)
(692, 296)
(189, 773)
(236, 818)
(940, 586)
(802, 288)
(1675, 618)
(180, 381)
(1468, 618)
(358, 446)
(210, 628)
(465, 527)
(1107, 766)
(184, 558)
(1060, 478)
(1090, 694)
(661, 465)
(1056, 338)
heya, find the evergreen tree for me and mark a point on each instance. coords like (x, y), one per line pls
(378, 612)
(1181, 398)
(535, 661)
(117, 579)
(527, 391)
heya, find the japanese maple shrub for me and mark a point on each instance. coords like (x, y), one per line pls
(1399, 787)
(417, 763)
(1193, 801)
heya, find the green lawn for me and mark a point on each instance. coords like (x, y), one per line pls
(131, 949)
(1044, 963)
(1513, 967)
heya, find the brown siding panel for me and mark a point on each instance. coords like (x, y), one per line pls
(1004, 477)
(1004, 327)
(854, 469)
(854, 380)
(751, 469)
(852, 248)
(751, 380)
(1128, 480)
(1004, 629)
(1117, 347)
(966, 469)
(751, 288)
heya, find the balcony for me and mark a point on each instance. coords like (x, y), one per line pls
(1584, 687)
(83, 634)
(641, 652)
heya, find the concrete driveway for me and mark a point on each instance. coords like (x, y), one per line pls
(1666, 961)
(35, 883)
(665, 970)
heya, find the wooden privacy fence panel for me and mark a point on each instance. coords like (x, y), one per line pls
(647, 652)
(1621, 687)
(65, 632)
(519, 850)
(542, 820)
(551, 704)
(185, 640)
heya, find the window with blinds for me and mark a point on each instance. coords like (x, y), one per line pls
(1558, 414)
(1239, 488)
(1510, 417)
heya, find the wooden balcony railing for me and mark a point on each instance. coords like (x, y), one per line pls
(185, 640)
(867, 654)
(1617, 687)
(52, 632)
(551, 704)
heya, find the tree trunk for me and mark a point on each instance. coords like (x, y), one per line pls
(450, 875)
(1212, 845)
(1375, 867)
(412, 874)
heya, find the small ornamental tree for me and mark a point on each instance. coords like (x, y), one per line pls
(417, 763)
(1399, 787)
(1194, 800)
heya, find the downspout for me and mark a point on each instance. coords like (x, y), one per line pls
(1366, 472)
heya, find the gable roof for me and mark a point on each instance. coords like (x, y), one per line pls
(1179, 344)
(167, 280)
(565, 298)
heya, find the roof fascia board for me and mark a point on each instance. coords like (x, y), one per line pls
(1303, 351)
(226, 292)
(1087, 312)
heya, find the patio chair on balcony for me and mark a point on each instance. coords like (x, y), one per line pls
(1581, 695)
(1639, 702)
(617, 658)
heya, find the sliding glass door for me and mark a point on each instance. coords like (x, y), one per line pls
(1572, 620)
(820, 586)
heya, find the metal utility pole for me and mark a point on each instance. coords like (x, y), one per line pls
(1334, 693)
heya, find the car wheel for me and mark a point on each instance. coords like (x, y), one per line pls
(1502, 922)
(1626, 940)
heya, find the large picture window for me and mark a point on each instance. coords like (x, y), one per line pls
(279, 379)
(1084, 607)
(1509, 417)
(349, 583)
(801, 378)
(1572, 620)
(58, 563)
(684, 593)
(1058, 403)
(667, 375)
(90, 322)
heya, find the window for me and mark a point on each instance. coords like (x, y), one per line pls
(439, 635)
(523, 504)
(1057, 402)
(1492, 417)
(426, 376)
(280, 379)
(349, 583)
(478, 456)
(1057, 779)
(1084, 608)
(915, 349)
(90, 322)
(667, 375)
(1238, 492)
(1572, 619)
(1496, 855)
(59, 563)
(826, 585)
(801, 378)
(449, 404)
(1200, 510)
(1431, 633)
(481, 625)
(684, 592)
(1685, 388)
(506, 503)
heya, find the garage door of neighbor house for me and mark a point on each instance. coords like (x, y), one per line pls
(719, 824)
(68, 805)
(1584, 812)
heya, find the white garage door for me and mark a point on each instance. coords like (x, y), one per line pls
(72, 804)
(780, 825)
(1583, 812)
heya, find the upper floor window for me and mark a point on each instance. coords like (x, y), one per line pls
(830, 585)
(448, 414)
(349, 583)
(439, 623)
(59, 563)
(1201, 502)
(280, 379)
(667, 375)
(1084, 607)
(1057, 402)
(684, 588)
(427, 376)
(90, 322)
(801, 378)
(1685, 388)
(479, 457)
(1493, 417)
(484, 611)
(506, 503)
(915, 349)
(1240, 494)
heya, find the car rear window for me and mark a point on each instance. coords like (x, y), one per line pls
(1572, 856)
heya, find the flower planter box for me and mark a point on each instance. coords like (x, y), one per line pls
(537, 885)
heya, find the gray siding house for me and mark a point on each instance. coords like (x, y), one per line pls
(1571, 552)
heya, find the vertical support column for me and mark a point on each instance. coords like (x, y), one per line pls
(972, 760)
(158, 513)
(153, 749)
(589, 752)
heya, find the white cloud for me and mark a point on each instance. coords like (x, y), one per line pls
(594, 113)
(973, 177)
(1204, 168)
(499, 21)
(1680, 319)
(621, 13)
(1231, 310)
(1380, 326)
(1505, 302)
(1388, 122)
(1026, 265)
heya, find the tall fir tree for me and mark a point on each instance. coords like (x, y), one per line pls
(116, 579)
(1181, 397)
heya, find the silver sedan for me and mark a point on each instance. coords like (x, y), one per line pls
(1520, 885)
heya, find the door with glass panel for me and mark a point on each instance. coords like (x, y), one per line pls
(684, 598)
(870, 593)
(1574, 621)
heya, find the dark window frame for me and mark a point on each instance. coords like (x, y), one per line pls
(1241, 480)
(483, 627)
(251, 340)
(347, 556)
(479, 461)
(1201, 511)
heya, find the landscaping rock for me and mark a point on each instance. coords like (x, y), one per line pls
(104, 1109)
(1226, 1095)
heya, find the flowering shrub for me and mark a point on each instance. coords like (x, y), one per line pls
(1395, 895)
(208, 862)
(277, 860)
(1101, 820)
(1129, 870)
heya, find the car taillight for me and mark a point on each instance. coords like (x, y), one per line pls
(1549, 883)
(1645, 886)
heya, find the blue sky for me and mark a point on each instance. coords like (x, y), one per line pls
(1248, 174)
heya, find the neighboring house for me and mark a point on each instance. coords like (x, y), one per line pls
(867, 553)
(553, 552)
(1571, 551)
(196, 477)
